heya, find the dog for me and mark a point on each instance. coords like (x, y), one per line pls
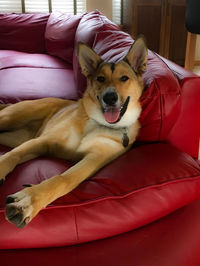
(92, 131)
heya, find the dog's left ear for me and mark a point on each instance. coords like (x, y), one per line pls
(88, 59)
(137, 56)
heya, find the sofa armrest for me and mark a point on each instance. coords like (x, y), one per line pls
(186, 132)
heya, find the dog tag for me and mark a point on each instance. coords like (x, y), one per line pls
(125, 140)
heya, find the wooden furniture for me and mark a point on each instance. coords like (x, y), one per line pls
(192, 23)
(162, 22)
(190, 51)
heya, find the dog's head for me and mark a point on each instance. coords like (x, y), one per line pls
(114, 89)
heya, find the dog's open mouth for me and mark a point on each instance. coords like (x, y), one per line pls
(113, 114)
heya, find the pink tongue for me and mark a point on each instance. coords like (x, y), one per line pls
(112, 115)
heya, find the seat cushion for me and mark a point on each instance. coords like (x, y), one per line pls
(172, 240)
(141, 186)
(25, 76)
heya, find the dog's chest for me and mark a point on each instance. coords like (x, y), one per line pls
(66, 136)
(76, 142)
(71, 134)
(84, 136)
(95, 136)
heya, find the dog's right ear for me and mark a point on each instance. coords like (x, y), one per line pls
(88, 59)
(137, 55)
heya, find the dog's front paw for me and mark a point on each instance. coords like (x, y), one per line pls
(19, 208)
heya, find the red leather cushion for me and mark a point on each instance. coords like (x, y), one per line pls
(141, 186)
(173, 240)
(23, 32)
(161, 96)
(90, 24)
(180, 72)
(186, 132)
(112, 46)
(31, 76)
(161, 101)
(60, 35)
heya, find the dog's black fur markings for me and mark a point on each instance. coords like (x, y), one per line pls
(112, 67)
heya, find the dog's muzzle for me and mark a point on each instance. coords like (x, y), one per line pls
(112, 107)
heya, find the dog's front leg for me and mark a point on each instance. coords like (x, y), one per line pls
(23, 206)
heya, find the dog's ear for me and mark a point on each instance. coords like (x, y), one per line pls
(137, 56)
(88, 59)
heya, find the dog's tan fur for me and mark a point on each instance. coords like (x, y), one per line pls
(71, 130)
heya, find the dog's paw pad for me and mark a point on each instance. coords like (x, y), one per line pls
(18, 209)
(15, 215)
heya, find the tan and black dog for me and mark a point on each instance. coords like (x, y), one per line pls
(92, 131)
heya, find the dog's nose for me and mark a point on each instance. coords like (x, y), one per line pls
(110, 96)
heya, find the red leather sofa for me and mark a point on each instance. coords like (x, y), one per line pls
(143, 208)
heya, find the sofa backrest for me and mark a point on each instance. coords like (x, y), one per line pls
(60, 34)
(23, 32)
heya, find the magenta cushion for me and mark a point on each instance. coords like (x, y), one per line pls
(26, 76)
(23, 32)
(60, 35)
(141, 186)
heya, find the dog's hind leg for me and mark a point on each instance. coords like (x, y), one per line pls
(18, 115)
(16, 137)
(3, 105)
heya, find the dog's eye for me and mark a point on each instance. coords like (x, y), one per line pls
(124, 78)
(100, 79)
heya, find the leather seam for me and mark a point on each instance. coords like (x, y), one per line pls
(161, 110)
(76, 225)
(157, 186)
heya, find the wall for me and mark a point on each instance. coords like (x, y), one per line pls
(105, 6)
